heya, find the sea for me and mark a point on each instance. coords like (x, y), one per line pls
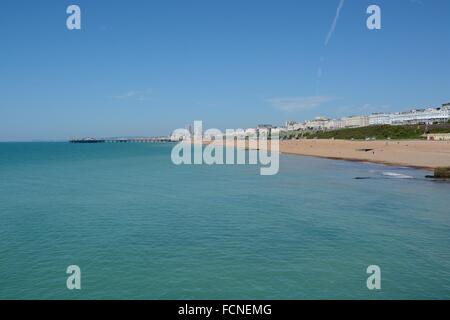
(140, 227)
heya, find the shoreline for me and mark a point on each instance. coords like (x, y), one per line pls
(388, 164)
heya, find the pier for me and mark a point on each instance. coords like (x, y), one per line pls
(122, 140)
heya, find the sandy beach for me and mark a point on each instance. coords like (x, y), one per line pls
(411, 153)
(415, 153)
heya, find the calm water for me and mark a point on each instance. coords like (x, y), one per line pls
(140, 227)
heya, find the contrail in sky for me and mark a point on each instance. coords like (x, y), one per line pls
(333, 26)
(330, 34)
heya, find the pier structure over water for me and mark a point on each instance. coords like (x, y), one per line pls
(123, 140)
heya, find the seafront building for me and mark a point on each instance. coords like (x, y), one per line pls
(294, 126)
(262, 130)
(318, 123)
(376, 119)
(414, 116)
(334, 124)
(423, 116)
(251, 132)
(355, 121)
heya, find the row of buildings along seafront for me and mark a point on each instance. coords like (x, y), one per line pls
(414, 116)
(260, 130)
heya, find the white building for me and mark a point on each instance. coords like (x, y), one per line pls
(264, 132)
(294, 126)
(432, 115)
(319, 123)
(251, 132)
(276, 131)
(376, 119)
(422, 116)
(290, 123)
(355, 121)
(264, 126)
(415, 116)
(334, 124)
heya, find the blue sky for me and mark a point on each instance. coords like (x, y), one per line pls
(149, 67)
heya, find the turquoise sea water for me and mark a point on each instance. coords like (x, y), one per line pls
(140, 227)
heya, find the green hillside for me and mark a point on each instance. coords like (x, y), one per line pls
(381, 132)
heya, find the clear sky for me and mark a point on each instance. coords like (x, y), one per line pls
(148, 67)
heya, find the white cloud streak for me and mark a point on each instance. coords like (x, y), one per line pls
(129, 94)
(335, 21)
(135, 95)
(299, 103)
